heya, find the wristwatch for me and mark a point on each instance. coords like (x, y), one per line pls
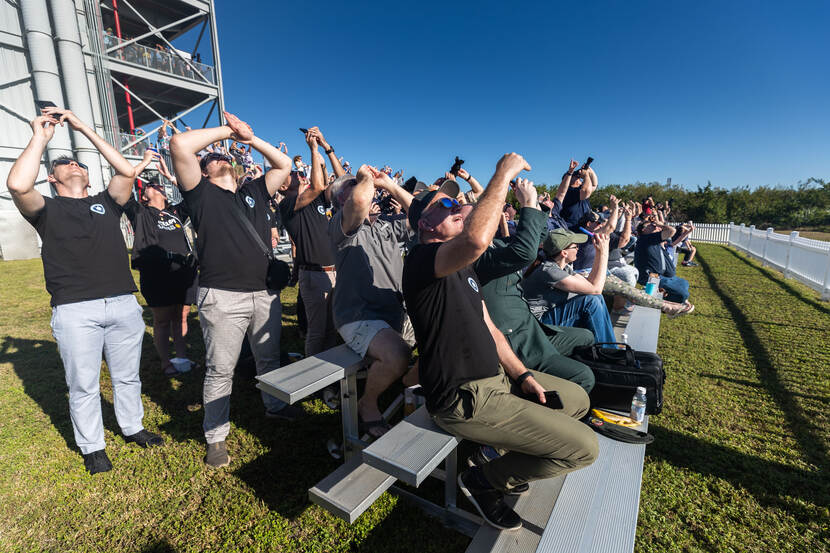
(330, 151)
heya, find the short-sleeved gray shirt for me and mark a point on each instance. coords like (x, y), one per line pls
(369, 272)
(539, 288)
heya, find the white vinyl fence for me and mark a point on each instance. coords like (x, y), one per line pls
(803, 259)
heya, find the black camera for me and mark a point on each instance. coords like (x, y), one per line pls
(456, 166)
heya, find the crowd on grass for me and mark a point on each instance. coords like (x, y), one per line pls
(496, 296)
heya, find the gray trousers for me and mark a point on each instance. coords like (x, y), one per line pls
(226, 317)
(536, 442)
(83, 330)
(315, 287)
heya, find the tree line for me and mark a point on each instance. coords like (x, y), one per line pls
(806, 204)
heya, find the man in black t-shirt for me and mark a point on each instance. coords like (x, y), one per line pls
(303, 212)
(471, 376)
(88, 276)
(233, 298)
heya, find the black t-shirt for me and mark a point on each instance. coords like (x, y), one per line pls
(156, 233)
(84, 255)
(229, 259)
(309, 229)
(454, 343)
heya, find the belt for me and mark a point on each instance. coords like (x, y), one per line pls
(319, 268)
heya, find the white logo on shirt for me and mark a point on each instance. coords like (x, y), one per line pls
(267, 217)
(250, 201)
(97, 208)
(321, 210)
(472, 283)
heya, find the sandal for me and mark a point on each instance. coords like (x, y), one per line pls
(170, 370)
(685, 310)
(380, 427)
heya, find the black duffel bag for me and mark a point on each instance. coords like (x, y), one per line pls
(618, 373)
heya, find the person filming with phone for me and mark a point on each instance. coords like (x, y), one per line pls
(470, 375)
(87, 274)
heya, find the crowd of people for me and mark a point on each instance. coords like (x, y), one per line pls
(495, 295)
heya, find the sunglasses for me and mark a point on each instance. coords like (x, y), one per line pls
(68, 161)
(449, 203)
(217, 157)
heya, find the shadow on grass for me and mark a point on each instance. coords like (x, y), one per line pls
(158, 547)
(39, 366)
(803, 430)
(783, 284)
(772, 483)
(741, 382)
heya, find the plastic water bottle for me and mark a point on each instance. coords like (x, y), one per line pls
(638, 405)
(652, 284)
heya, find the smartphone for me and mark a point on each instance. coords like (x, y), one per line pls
(552, 399)
(41, 104)
(304, 131)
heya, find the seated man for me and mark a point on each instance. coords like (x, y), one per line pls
(683, 245)
(547, 287)
(650, 256)
(540, 347)
(467, 369)
(367, 309)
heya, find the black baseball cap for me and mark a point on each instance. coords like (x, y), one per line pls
(423, 198)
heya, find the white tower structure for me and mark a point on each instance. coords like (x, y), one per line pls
(118, 64)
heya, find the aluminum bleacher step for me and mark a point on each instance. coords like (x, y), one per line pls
(351, 489)
(534, 507)
(596, 511)
(643, 328)
(412, 449)
(301, 379)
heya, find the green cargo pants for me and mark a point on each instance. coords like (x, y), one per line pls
(536, 441)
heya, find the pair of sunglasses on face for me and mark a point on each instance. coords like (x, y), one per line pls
(448, 203)
(217, 157)
(68, 161)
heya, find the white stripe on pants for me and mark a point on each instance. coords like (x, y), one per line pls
(226, 316)
(83, 330)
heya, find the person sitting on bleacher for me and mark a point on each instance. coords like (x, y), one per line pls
(469, 373)
(367, 308)
(650, 256)
(540, 347)
(546, 288)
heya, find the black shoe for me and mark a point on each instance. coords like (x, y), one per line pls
(485, 454)
(144, 439)
(489, 502)
(288, 413)
(97, 461)
(217, 455)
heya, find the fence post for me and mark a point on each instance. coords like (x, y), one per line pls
(729, 232)
(825, 289)
(793, 236)
(766, 241)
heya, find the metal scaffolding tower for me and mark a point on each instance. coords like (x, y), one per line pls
(118, 64)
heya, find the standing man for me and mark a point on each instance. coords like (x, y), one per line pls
(303, 212)
(87, 274)
(471, 377)
(233, 298)
(368, 310)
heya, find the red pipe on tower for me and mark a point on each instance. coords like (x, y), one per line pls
(126, 86)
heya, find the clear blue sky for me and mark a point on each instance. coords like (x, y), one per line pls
(732, 92)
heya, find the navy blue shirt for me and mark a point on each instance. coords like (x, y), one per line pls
(587, 252)
(555, 219)
(573, 208)
(651, 257)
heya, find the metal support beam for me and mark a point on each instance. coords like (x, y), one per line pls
(199, 39)
(134, 95)
(157, 127)
(173, 49)
(155, 31)
(217, 63)
(213, 107)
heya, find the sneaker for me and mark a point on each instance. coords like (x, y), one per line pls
(145, 439)
(688, 263)
(288, 413)
(97, 461)
(217, 455)
(489, 502)
(485, 454)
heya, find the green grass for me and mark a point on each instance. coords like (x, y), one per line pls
(740, 461)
